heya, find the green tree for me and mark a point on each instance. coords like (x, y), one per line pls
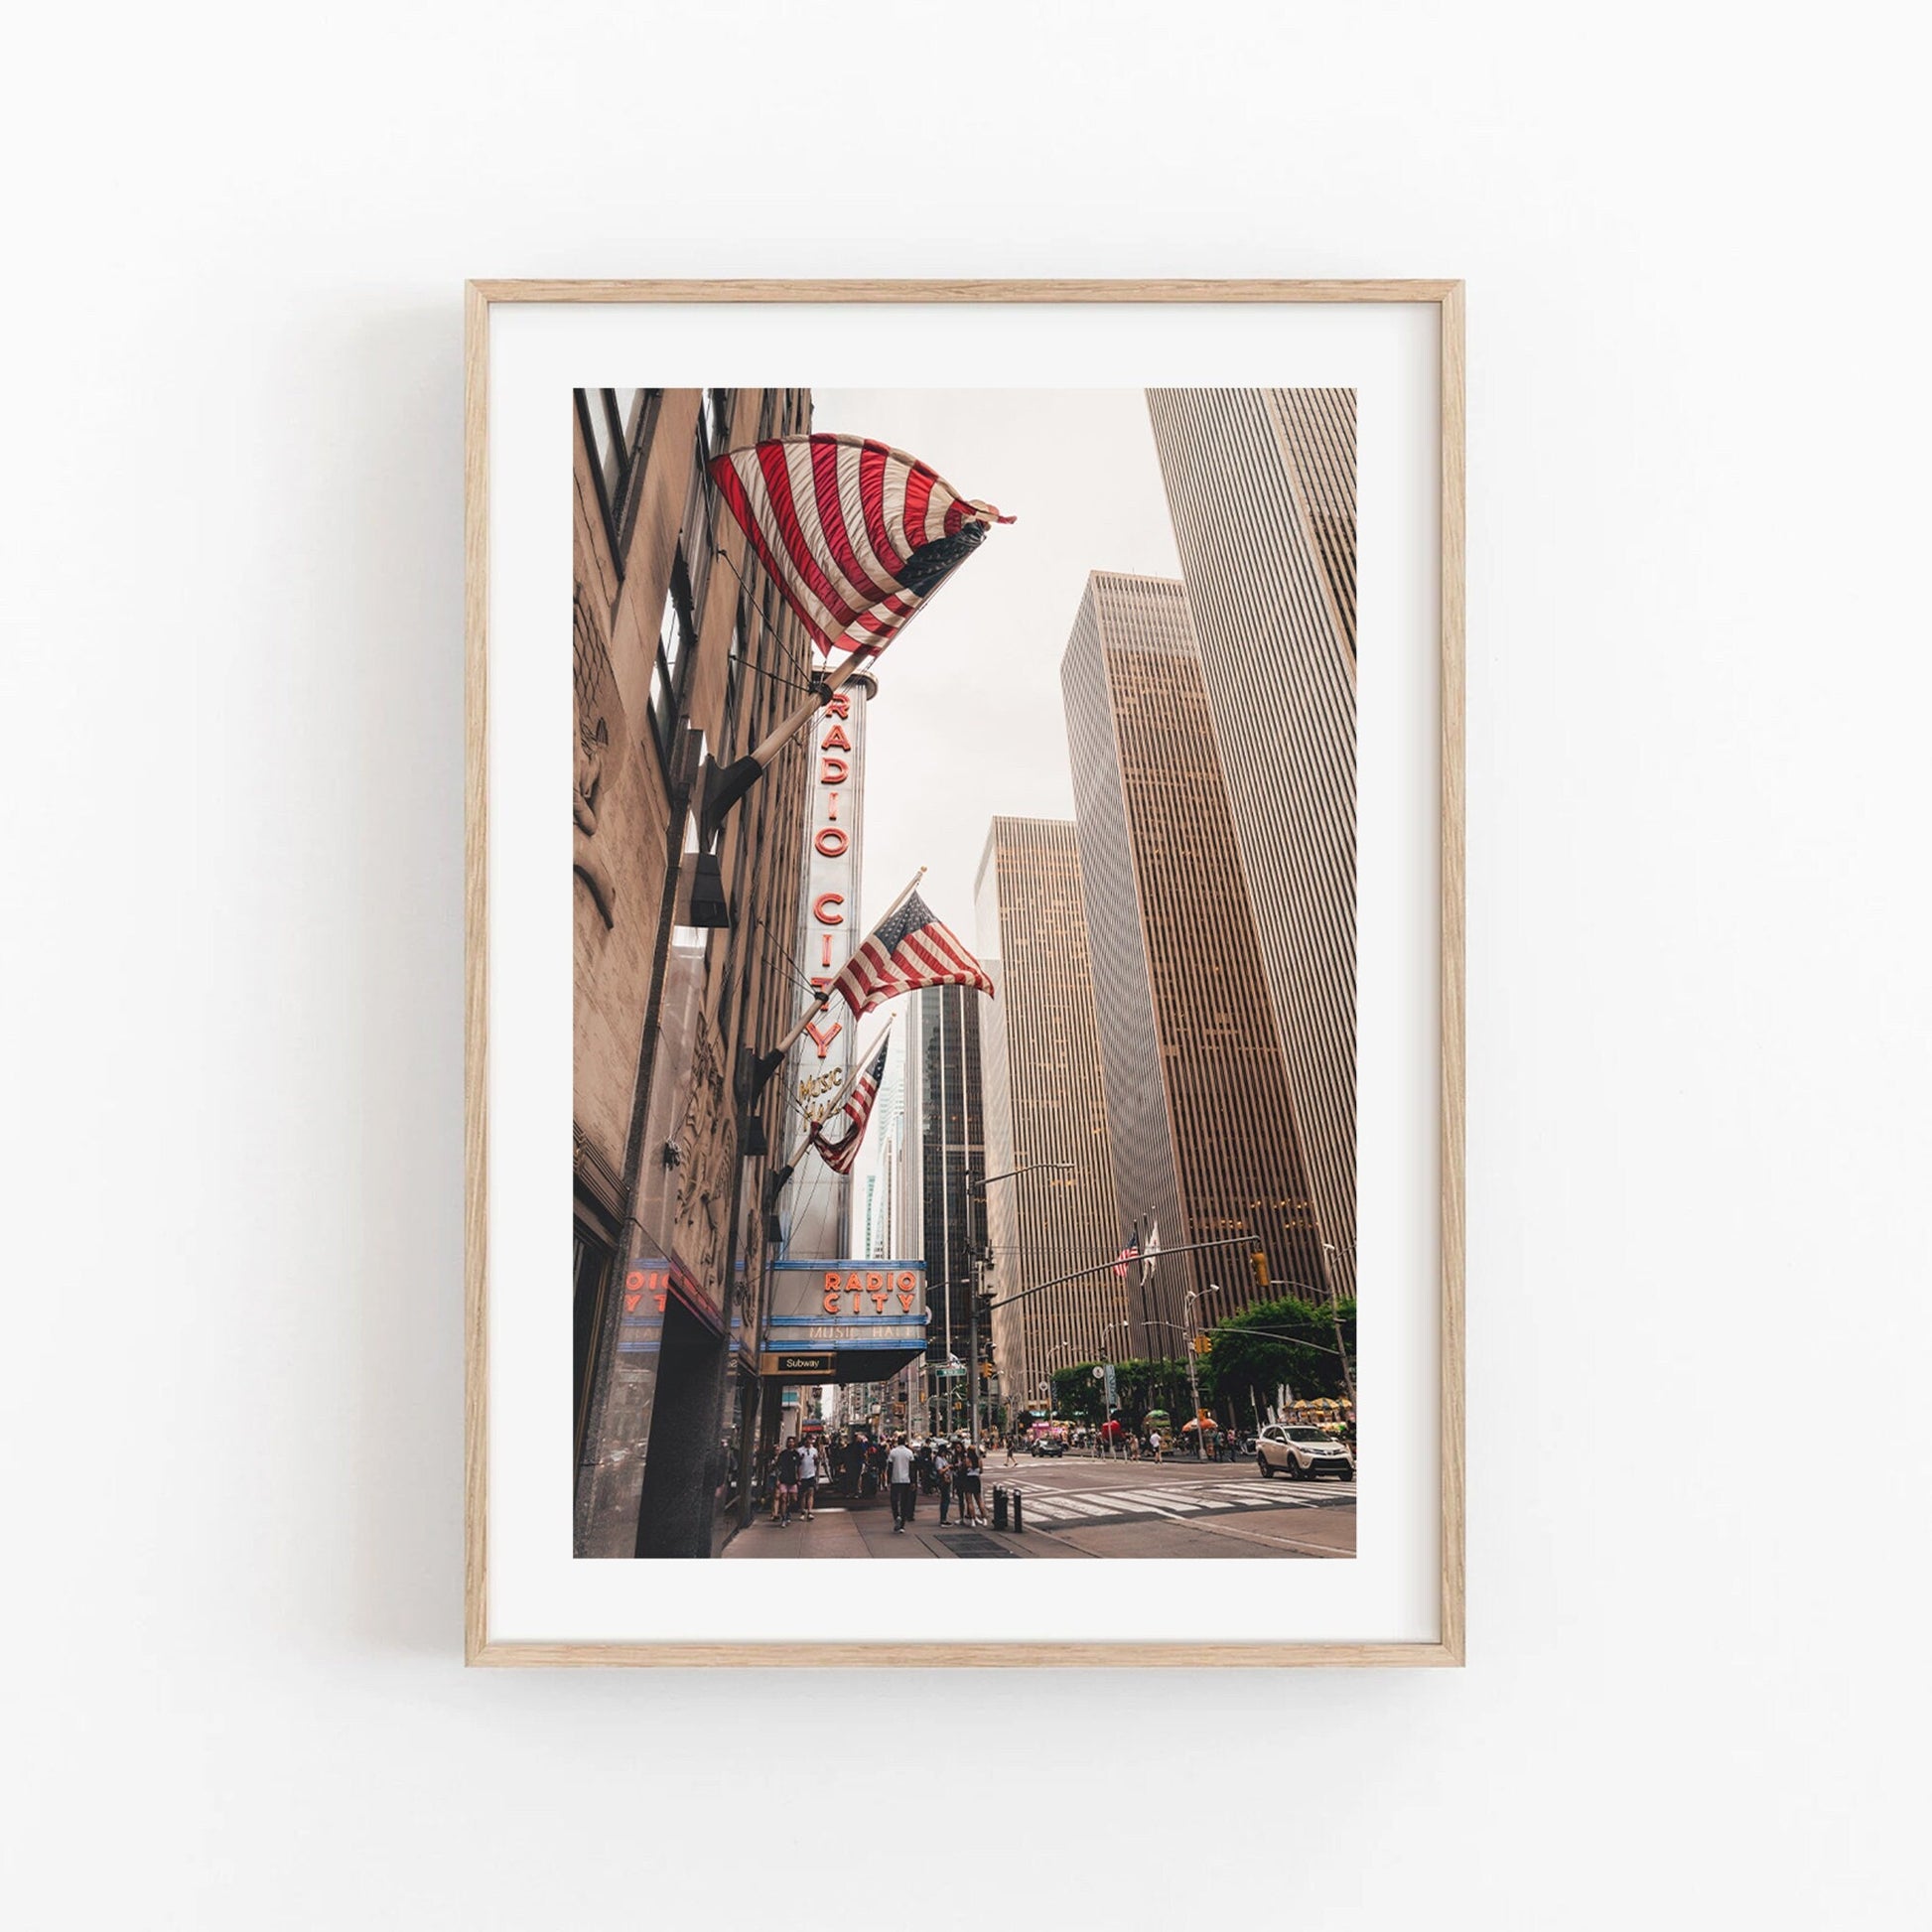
(1272, 1342)
(1077, 1396)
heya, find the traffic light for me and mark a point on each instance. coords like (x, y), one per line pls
(1259, 1261)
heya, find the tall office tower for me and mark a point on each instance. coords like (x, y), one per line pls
(1039, 1060)
(875, 1178)
(1260, 484)
(1200, 1121)
(947, 1148)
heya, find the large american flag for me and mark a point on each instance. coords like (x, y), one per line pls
(910, 950)
(856, 535)
(840, 1155)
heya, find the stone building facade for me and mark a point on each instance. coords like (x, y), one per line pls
(682, 650)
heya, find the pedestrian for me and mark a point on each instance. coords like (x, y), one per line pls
(788, 1485)
(808, 1477)
(1008, 1451)
(942, 1468)
(971, 1509)
(899, 1469)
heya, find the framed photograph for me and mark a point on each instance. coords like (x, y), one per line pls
(1000, 993)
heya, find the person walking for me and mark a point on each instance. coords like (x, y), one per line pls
(1008, 1451)
(899, 1471)
(942, 1471)
(1153, 1443)
(808, 1477)
(787, 1487)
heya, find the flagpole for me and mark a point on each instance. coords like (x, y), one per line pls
(912, 887)
(724, 785)
(826, 687)
(782, 1175)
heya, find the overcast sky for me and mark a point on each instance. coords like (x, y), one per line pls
(968, 720)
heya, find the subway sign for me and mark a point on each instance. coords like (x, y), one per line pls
(814, 1365)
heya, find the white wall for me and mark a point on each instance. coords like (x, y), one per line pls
(229, 764)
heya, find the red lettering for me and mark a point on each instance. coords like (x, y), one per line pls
(832, 772)
(831, 1301)
(832, 809)
(831, 842)
(835, 740)
(839, 704)
(825, 958)
(905, 1301)
(822, 909)
(823, 1042)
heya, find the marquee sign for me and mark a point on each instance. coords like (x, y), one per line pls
(868, 1317)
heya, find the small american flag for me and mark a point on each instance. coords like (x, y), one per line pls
(911, 950)
(1125, 1258)
(857, 1110)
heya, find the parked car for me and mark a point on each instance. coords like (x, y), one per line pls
(1048, 1446)
(1299, 1451)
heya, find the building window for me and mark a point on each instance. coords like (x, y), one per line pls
(715, 423)
(714, 439)
(616, 425)
(675, 635)
(733, 684)
(591, 1271)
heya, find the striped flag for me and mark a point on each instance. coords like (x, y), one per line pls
(910, 950)
(1128, 1255)
(857, 1111)
(856, 535)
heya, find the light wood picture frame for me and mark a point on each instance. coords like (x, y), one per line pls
(485, 299)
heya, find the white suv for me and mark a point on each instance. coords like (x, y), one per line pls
(1299, 1451)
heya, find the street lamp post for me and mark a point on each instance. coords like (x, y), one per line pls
(1334, 1316)
(1106, 1406)
(979, 1276)
(1193, 1375)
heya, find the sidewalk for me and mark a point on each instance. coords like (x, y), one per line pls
(865, 1529)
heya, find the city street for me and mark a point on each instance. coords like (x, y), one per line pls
(1080, 1506)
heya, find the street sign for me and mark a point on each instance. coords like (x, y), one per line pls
(1113, 1388)
(820, 1361)
(1100, 1375)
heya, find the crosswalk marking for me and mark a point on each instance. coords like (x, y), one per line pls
(1046, 1505)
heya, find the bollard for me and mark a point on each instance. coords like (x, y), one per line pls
(998, 1507)
(1018, 1516)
